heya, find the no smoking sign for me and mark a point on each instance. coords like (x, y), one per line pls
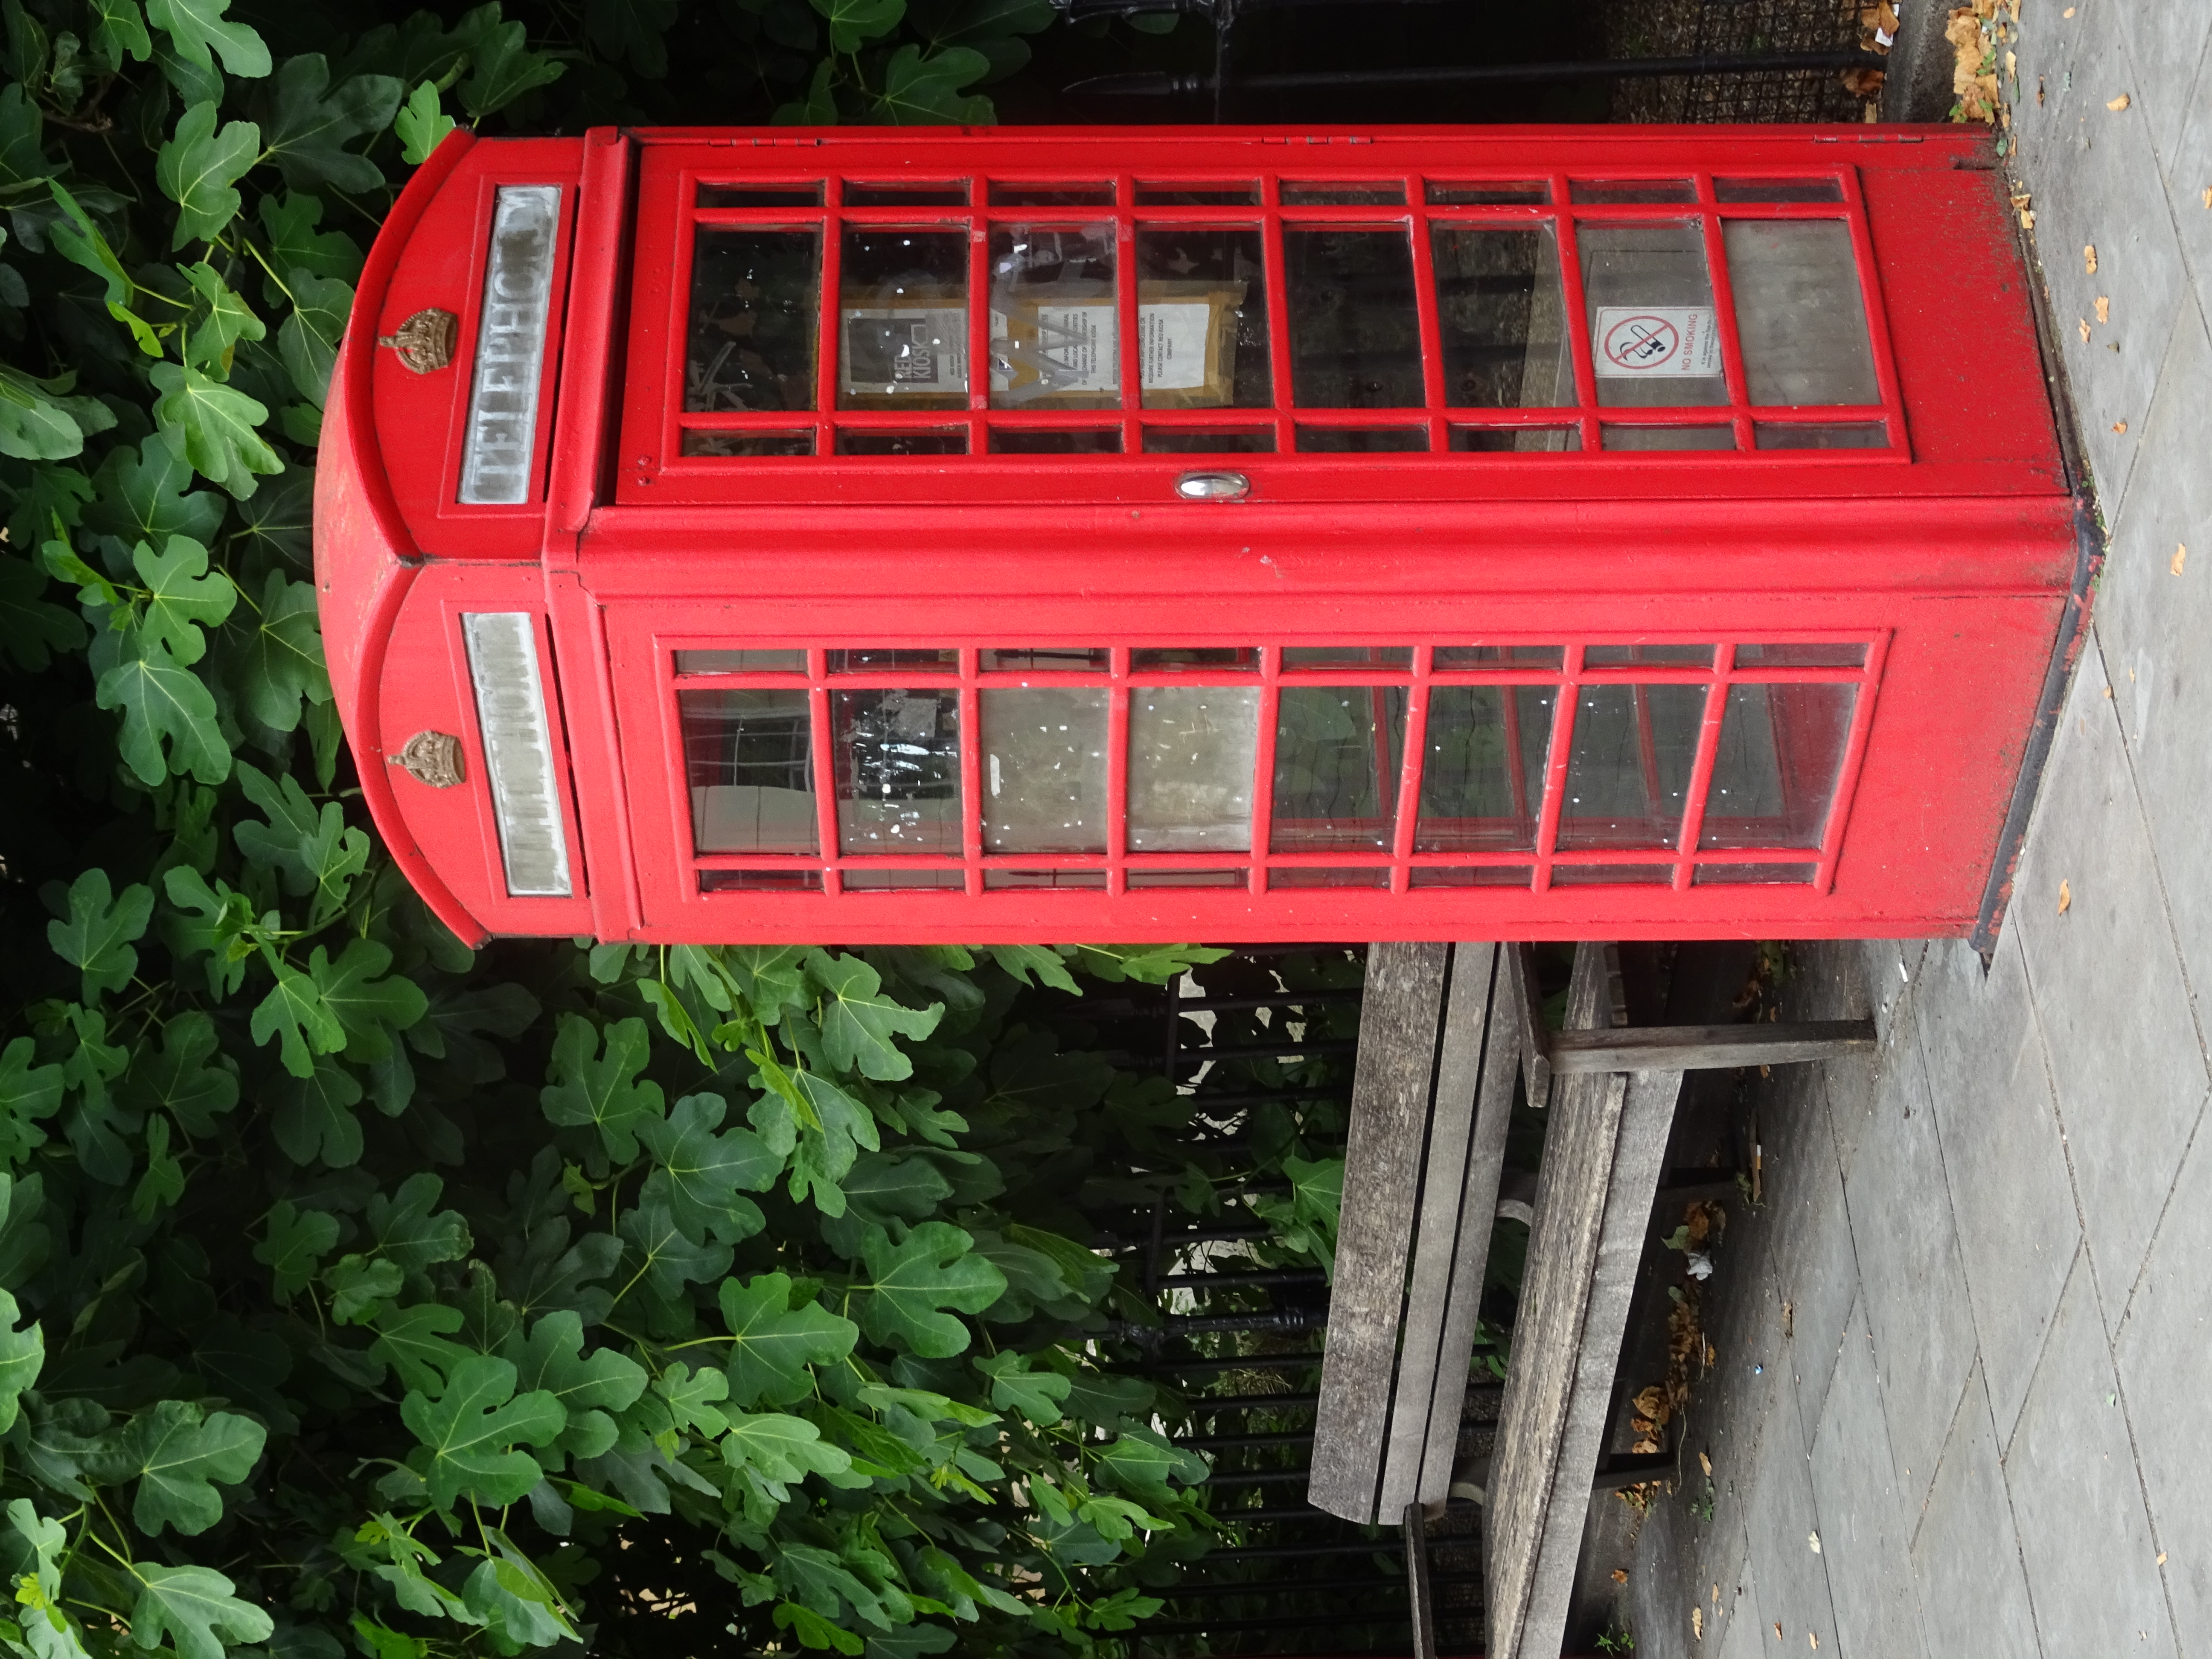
(1654, 342)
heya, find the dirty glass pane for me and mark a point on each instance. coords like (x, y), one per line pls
(1459, 657)
(760, 881)
(1798, 313)
(1612, 875)
(886, 881)
(1337, 750)
(1632, 189)
(1819, 653)
(1202, 318)
(1652, 338)
(1330, 876)
(1469, 875)
(1355, 336)
(903, 319)
(1055, 335)
(1482, 775)
(1310, 657)
(1778, 190)
(898, 770)
(1739, 875)
(1502, 319)
(1629, 775)
(1044, 770)
(1774, 777)
(749, 760)
(702, 441)
(1627, 656)
(1191, 751)
(1665, 437)
(1364, 194)
(754, 312)
(881, 659)
(1444, 194)
(1046, 880)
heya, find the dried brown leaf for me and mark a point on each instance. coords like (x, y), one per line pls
(1620, 1575)
(1698, 1623)
(2180, 558)
(2089, 258)
(2065, 897)
(2083, 323)
(2104, 308)
(2116, 105)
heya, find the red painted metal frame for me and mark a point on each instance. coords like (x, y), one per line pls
(1949, 559)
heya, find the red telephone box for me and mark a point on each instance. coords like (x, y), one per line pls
(1009, 535)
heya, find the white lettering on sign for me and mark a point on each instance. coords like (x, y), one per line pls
(1652, 342)
(510, 361)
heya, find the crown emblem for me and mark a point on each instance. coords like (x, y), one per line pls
(425, 341)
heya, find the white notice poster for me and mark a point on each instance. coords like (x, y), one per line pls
(1656, 342)
(1076, 347)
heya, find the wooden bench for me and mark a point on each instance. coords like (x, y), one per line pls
(1446, 1032)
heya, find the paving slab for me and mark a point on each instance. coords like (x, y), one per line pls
(1743, 1634)
(2096, 181)
(1794, 1602)
(1815, 1268)
(2011, 1197)
(1864, 1524)
(2123, 1052)
(2077, 1501)
(1966, 1554)
(2161, 1347)
(2151, 623)
(1912, 1285)
(2166, 45)
(2188, 172)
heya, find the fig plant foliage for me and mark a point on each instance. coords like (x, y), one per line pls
(362, 1293)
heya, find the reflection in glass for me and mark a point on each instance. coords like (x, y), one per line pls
(1629, 776)
(1457, 657)
(1469, 875)
(1044, 770)
(884, 881)
(1665, 437)
(881, 659)
(1052, 441)
(1362, 439)
(1502, 319)
(760, 196)
(1185, 440)
(1055, 335)
(1482, 778)
(1182, 195)
(1154, 659)
(903, 319)
(1653, 334)
(1367, 194)
(1060, 659)
(1612, 875)
(1202, 318)
(1311, 657)
(1190, 877)
(1062, 881)
(1017, 194)
(755, 311)
(1632, 189)
(1798, 314)
(1331, 876)
(898, 770)
(1819, 653)
(760, 881)
(1191, 751)
(1337, 751)
(1774, 777)
(1510, 194)
(1355, 334)
(907, 195)
(1778, 190)
(952, 441)
(1625, 656)
(749, 761)
(1517, 440)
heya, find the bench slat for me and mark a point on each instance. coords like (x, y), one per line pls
(1459, 1198)
(1706, 1048)
(1603, 1156)
(1390, 1092)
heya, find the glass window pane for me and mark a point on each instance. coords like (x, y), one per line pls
(1209, 195)
(741, 662)
(1665, 437)
(1510, 194)
(1826, 435)
(1368, 194)
(760, 881)
(1182, 440)
(902, 195)
(1630, 772)
(706, 441)
(1482, 775)
(1774, 779)
(1202, 318)
(1190, 877)
(1312, 657)
(1337, 750)
(749, 759)
(1460, 657)
(941, 441)
(1778, 190)
(1153, 660)
(755, 311)
(1652, 333)
(1612, 875)
(760, 196)
(1517, 440)
(1798, 314)
(1737, 875)
(884, 881)
(883, 659)
(1044, 770)
(1632, 189)
(1821, 654)
(1046, 440)
(898, 771)
(1334, 876)
(1503, 320)
(1362, 439)
(1046, 880)
(903, 319)
(1625, 656)
(1469, 875)
(1049, 658)
(1018, 194)
(1056, 336)
(1355, 336)
(1191, 750)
